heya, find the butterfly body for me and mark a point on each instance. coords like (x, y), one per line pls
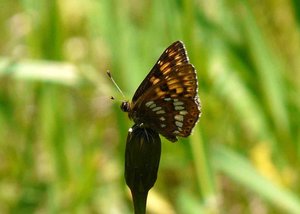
(167, 101)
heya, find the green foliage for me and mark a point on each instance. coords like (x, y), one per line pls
(62, 140)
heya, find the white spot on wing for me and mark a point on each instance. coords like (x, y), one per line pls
(162, 118)
(160, 112)
(153, 105)
(163, 125)
(178, 103)
(149, 103)
(178, 124)
(157, 108)
(183, 112)
(179, 117)
(179, 108)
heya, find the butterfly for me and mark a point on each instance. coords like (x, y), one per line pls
(167, 99)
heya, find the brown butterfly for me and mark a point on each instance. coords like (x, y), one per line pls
(167, 100)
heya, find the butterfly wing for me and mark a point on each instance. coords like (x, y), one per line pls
(170, 105)
(175, 123)
(173, 56)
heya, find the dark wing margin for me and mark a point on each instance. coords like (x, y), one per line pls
(173, 56)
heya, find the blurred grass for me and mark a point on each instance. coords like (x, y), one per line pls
(62, 139)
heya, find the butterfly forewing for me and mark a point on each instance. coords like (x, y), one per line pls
(167, 100)
(174, 55)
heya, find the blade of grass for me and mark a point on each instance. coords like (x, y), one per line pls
(242, 172)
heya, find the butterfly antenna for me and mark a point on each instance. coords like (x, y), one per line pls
(112, 79)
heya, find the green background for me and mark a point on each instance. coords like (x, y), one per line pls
(62, 139)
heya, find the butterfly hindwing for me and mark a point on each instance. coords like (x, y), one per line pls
(171, 117)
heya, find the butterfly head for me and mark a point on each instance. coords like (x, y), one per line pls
(125, 106)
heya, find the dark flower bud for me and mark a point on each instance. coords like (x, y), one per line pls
(142, 155)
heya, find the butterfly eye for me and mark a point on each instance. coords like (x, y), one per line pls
(125, 106)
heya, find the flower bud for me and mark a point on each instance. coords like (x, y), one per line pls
(142, 155)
